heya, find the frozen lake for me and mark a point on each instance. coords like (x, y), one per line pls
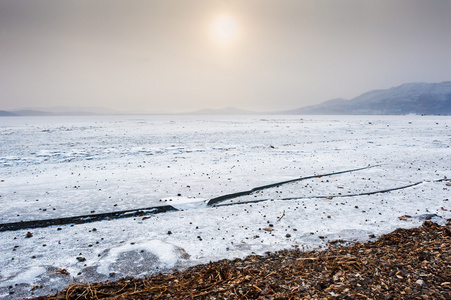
(52, 167)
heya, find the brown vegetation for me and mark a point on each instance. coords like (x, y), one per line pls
(405, 264)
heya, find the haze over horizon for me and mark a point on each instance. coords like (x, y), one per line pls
(179, 56)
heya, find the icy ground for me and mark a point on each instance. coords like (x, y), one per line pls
(67, 166)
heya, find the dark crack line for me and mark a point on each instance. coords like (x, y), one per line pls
(363, 194)
(330, 197)
(146, 211)
(223, 198)
(86, 218)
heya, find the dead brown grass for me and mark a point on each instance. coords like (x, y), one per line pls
(405, 264)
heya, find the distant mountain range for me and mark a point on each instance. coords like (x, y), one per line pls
(59, 111)
(410, 98)
(32, 112)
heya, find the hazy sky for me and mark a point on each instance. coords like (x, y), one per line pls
(181, 55)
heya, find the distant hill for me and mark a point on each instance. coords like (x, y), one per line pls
(58, 111)
(32, 112)
(4, 113)
(409, 98)
(82, 110)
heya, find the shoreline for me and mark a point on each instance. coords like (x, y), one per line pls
(404, 264)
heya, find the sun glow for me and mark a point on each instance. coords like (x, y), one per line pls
(224, 30)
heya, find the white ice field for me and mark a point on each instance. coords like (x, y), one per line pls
(52, 167)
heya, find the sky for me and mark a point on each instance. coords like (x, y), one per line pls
(183, 55)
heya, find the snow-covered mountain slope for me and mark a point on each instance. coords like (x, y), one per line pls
(415, 98)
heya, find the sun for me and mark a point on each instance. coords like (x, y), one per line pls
(224, 30)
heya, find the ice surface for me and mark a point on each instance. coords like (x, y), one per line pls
(136, 258)
(67, 166)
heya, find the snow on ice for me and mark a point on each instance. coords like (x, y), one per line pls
(54, 167)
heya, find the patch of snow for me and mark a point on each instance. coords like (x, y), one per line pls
(138, 259)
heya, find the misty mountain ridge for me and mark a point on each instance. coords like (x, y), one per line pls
(59, 111)
(410, 98)
(4, 113)
(37, 113)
